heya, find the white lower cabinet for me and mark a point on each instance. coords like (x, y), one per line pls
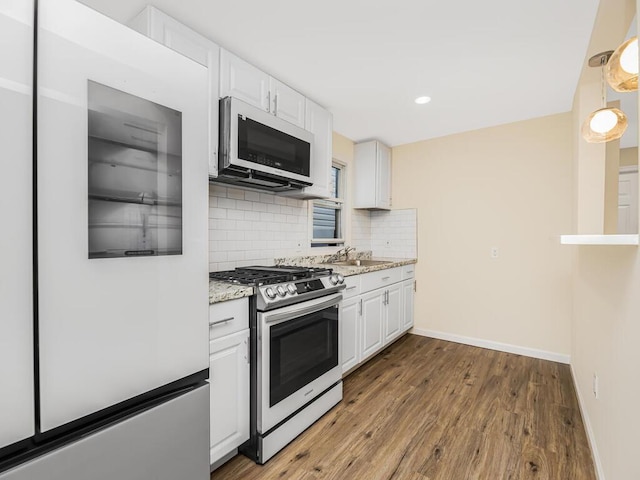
(228, 376)
(408, 293)
(350, 332)
(372, 313)
(375, 318)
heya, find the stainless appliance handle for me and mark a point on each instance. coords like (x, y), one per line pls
(224, 320)
(301, 309)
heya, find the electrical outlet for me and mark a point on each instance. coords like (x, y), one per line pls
(596, 386)
(495, 253)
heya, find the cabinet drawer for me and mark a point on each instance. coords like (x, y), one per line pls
(353, 286)
(228, 317)
(408, 271)
(379, 279)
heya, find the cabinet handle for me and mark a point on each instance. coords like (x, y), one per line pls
(351, 288)
(385, 278)
(360, 311)
(218, 322)
(275, 105)
(248, 352)
(268, 101)
(409, 271)
(415, 285)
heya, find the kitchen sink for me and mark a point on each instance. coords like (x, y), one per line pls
(360, 263)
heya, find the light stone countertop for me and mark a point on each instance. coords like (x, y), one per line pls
(223, 291)
(345, 270)
(348, 270)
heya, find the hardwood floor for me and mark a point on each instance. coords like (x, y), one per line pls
(426, 409)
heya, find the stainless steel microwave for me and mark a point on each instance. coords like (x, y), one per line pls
(260, 150)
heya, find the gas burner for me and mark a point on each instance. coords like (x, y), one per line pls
(282, 285)
(259, 275)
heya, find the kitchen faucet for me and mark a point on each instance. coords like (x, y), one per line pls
(343, 252)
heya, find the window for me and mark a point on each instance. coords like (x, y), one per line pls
(328, 214)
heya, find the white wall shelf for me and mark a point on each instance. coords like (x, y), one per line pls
(599, 239)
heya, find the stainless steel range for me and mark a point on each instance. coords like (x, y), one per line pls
(295, 365)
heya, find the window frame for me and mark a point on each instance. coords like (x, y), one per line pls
(341, 201)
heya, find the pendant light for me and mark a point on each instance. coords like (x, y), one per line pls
(606, 123)
(622, 69)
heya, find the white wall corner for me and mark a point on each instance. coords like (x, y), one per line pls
(491, 345)
(587, 426)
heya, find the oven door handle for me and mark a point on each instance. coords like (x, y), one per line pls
(295, 311)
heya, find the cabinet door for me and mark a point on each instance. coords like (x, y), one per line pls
(372, 313)
(393, 313)
(318, 121)
(408, 293)
(242, 80)
(383, 176)
(173, 34)
(287, 103)
(349, 333)
(229, 378)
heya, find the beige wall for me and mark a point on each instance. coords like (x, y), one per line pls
(629, 157)
(507, 187)
(606, 319)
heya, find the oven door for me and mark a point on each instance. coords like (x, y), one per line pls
(298, 357)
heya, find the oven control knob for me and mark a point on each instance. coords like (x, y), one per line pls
(291, 288)
(340, 279)
(333, 279)
(281, 291)
(270, 293)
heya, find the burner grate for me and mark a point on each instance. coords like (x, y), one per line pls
(257, 276)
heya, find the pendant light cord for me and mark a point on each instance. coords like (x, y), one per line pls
(603, 62)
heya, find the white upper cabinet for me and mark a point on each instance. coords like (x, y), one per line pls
(373, 176)
(287, 103)
(318, 121)
(242, 80)
(168, 31)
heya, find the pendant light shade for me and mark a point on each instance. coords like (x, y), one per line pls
(622, 69)
(604, 125)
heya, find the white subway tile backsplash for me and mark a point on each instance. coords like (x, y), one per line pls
(244, 205)
(274, 208)
(228, 203)
(235, 214)
(217, 190)
(259, 207)
(267, 198)
(251, 196)
(252, 228)
(215, 212)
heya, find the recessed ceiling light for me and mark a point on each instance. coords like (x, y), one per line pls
(422, 100)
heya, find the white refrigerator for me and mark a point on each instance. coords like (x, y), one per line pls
(104, 278)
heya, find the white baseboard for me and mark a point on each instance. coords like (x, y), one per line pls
(587, 426)
(502, 347)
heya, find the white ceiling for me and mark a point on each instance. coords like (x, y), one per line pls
(484, 63)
